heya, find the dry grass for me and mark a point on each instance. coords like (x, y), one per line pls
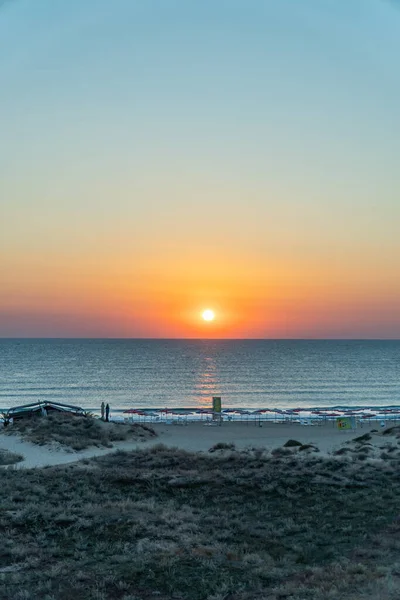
(222, 446)
(164, 523)
(9, 458)
(384, 445)
(76, 432)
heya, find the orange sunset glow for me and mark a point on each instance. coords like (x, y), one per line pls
(146, 193)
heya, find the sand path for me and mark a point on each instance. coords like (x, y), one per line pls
(192, 437)
(44, 456)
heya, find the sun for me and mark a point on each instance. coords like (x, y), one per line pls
(208, 315)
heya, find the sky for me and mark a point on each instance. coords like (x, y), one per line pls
(163, 157)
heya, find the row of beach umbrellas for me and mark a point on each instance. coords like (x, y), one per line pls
(275, 413)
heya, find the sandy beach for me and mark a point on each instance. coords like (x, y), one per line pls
(193, 437)
(200, 437)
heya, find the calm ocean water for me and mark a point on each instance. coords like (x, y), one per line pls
(185, 373)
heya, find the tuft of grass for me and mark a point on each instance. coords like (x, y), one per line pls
(222, 446)
(290, 443)
(362, 438)
(281, 452)
(342, 451)
(308, 447)
(9, 458)
(76, 432)
(391, 430)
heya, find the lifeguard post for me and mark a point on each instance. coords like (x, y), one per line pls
(217, 415)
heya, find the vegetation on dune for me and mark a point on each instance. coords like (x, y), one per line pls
(292, 443)
(9, 458)
(232, 525)
(392, 431)
(77, 432)
(362, 438)
(222, 446)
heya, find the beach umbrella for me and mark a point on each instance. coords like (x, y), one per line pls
(320, 413)
(247, 413)
(291, 412)
(332, 415)
(179, 412)
(203, 411)
(230, 411)
(243, 412)
(132, 411)
(266, 410)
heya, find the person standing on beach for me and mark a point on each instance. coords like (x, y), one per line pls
(107, 412)
(102, 411)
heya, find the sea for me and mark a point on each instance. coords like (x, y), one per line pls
(246, 374)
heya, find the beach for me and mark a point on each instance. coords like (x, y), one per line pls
(195, 437)
(200, 437)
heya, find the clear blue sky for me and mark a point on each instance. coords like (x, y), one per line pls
(168, 145)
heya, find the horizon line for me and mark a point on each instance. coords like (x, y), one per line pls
(266, 339)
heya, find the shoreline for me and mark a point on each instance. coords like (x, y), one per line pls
(168, 415)
(356, 416)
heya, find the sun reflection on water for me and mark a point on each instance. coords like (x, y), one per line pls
(207, 383)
